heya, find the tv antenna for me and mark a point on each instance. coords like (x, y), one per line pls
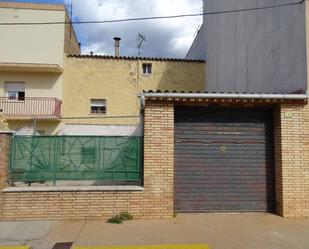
(141, 40)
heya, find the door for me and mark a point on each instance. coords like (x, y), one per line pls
(224, 160)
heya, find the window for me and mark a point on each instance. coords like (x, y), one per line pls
(147, 69)
(15, 91)
(98, 106)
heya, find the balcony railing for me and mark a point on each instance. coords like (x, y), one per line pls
(31, 107)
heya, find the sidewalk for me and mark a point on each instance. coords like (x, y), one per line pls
(219, 231)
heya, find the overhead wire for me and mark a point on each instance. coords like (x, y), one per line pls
(157, 17)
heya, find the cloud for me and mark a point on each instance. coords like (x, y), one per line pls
(165, 37)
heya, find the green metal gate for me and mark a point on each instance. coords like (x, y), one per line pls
(54, 158)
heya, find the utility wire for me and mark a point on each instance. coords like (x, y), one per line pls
(157, 17)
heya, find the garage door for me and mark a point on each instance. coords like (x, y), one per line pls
(223, 160)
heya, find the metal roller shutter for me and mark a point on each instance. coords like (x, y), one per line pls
(223, 159)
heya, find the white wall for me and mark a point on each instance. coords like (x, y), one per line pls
(101, 130)
(32, 43)
(37, 84)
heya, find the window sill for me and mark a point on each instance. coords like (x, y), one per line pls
(97, 114)
(73, 189)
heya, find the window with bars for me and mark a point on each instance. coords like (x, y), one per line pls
(98, 106)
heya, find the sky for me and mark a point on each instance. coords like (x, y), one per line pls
(164, 38)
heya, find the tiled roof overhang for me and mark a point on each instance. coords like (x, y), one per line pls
(224, 98)
(86, 56)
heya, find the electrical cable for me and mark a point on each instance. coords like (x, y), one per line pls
(156, 17)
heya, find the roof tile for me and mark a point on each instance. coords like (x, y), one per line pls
(86, 56)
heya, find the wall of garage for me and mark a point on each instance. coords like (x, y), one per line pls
(292, 160)
(291, 130)
(291, 153)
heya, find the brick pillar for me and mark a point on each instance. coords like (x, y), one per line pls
(292, 160)
(159, 160)
(4, 163)
(4, 157)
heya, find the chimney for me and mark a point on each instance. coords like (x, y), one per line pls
(117, 46)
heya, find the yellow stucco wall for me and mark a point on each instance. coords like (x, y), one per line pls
(118, 81)
(173, 75)
(37, 84)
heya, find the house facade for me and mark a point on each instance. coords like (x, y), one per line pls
(100, 78)
(197, 151)
(31, 65)
(43, 76)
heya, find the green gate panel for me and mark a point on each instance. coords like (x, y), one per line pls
(52, 158)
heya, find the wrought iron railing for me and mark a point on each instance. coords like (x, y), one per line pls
(30, 107)
(54, 158)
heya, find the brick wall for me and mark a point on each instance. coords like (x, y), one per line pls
(4, 161)
(292, 160)
(71, 45)
(156, 201)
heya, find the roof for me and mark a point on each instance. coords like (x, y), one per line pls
(86, 56)
(35, 6)
(217, 98)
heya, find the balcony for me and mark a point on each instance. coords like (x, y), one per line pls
(30, 107)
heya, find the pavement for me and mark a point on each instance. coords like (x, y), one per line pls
(219, 231)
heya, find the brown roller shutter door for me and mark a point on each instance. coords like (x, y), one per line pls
(224, 160)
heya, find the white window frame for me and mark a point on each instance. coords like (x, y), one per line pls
(15, 91)
(96, 103)
(147, 68)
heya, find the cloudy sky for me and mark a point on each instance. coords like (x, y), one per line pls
(165, 38)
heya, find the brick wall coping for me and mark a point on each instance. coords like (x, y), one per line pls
(72, 189)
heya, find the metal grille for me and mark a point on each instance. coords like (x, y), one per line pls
(52, 158)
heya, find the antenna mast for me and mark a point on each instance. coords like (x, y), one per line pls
(141, 40)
